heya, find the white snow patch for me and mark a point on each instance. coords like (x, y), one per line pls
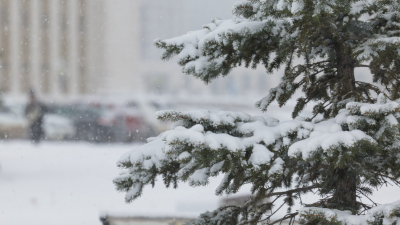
(260, 155)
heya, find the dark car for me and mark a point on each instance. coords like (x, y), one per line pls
(131, 126)
(91, 123)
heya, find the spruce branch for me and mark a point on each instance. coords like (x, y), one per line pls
(297, 190)
(288, 216)
(360, 65)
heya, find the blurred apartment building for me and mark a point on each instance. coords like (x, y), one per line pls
(65, 48)
(52, 46)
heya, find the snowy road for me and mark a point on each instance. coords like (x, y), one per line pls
(55, 183)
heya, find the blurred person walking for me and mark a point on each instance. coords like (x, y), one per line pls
(34, 112)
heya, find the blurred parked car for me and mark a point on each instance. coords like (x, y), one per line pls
(130, 125)
(148, 109)
(91, 124)
(12, 125)
(103, 120)
(58, 127)
(127, 120)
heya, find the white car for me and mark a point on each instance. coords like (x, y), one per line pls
(58, 127)
(12, 126)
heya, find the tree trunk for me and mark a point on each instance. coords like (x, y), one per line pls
(345, 70)
(344, 181)
(345, 195)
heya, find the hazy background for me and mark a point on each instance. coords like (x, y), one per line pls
(95, 67)
(73, 48)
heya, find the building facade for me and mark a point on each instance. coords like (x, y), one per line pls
(64, 48)
(51, 46)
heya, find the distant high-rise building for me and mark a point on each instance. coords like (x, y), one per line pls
(83, 47)
(52, 46)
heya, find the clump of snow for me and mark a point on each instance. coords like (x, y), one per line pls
(217, 119)
(150, 152)
(386, 209)
(260, 155)
(327, 141)
(200, 177)
(184, 155)
(217, 167)
(297, 6)
(365, 108)
(358, 6)
(278, 166)
(346, 217)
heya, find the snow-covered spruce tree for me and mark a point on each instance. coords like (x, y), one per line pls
(353, 150)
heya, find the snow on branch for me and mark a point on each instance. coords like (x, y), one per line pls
(209, 52)
(279, 159)
(386, 214)
(203, 144)
(185, 144)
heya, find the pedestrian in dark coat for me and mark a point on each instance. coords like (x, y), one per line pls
(34, 112)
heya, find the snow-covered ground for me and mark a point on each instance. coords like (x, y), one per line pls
(71, 183)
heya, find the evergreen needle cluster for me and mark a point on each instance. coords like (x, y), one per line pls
(342, 158)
